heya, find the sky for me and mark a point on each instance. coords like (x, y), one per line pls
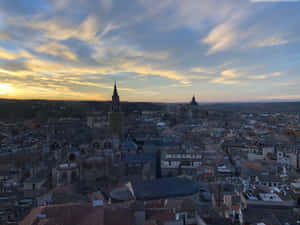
(159, 51)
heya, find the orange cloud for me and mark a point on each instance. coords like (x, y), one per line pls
(56, 49)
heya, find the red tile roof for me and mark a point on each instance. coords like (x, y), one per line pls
(118, 216)
(155, 204)
(66, 214)
(150, 222)
(31, 217)
(163, 217)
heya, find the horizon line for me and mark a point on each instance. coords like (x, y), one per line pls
(162, 102)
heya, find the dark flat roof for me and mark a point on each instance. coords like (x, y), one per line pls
(164, 188)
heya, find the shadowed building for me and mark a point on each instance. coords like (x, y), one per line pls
(116, 117)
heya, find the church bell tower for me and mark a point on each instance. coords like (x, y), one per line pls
(116, 117)
(115, 103)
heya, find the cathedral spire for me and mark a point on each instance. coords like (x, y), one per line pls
(115, 115)
(115, 88)
(115, 100)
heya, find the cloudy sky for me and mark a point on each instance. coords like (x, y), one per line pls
(157, 50)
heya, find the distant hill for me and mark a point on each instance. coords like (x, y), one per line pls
(255, 107)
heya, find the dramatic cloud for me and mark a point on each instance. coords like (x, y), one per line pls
(157, 50)
(227, 77)
(56, 49)
(6, 54)
(221, 38)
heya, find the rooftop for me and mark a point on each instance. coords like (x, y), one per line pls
(163, 188)
(65, 214)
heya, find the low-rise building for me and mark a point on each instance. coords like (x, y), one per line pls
(177, 162)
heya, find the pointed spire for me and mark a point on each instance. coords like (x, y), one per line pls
(115, 88)
(115, 100)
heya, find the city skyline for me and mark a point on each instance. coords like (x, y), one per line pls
(233, 51)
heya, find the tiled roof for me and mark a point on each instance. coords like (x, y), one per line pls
(155, 204)
(181, 204)
(118, 216)
(164, 217)
(66, 214)
(150, 222)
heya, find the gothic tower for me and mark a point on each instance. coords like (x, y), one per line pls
(116, 117)
(115, 103)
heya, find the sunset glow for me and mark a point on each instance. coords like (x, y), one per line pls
(156, 50)
(6, 89)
